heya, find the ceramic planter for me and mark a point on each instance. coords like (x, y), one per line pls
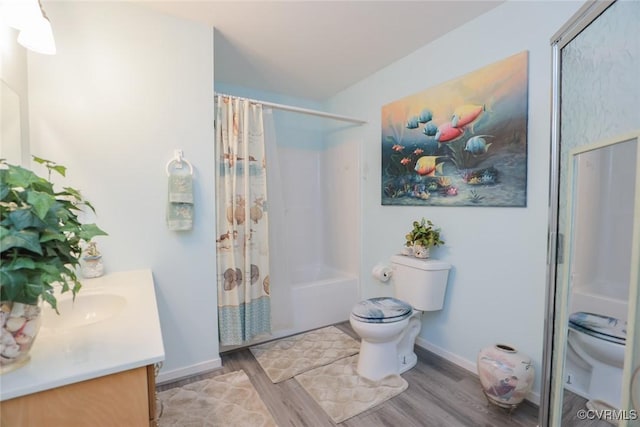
(506, 375)
(92, 266)
(20, 325)
(420, 251)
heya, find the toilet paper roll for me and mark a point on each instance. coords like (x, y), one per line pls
(382, 272)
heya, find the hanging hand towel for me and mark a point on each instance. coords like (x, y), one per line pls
(180, 188)
(180, 202)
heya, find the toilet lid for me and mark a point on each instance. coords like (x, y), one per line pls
(603, 327)
(381, 310)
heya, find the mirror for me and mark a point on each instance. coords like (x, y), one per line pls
(602, 195)
(10, 137)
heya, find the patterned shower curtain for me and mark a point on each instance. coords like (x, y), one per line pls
(242, 222)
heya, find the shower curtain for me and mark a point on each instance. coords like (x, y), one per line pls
(242, 243)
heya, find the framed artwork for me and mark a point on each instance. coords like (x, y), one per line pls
(461, 143)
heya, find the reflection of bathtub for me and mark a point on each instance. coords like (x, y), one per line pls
(322, 296)
(599, 304)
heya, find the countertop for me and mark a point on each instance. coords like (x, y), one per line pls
(129, 339)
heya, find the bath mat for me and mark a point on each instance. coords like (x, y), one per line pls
(342, 393)
(287, 357)
(225, 400)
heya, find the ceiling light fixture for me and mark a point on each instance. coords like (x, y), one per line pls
(29, 18)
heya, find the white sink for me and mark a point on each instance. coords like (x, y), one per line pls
(86, 309)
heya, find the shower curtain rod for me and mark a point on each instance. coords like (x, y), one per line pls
(300, 110)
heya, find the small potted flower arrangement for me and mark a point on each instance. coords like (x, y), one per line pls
(422, 237)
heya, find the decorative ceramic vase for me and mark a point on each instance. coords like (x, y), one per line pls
(92, 266)
(20, 325)
(420, 251)
(506, 375)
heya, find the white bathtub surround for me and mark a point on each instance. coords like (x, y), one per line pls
(242, 245)
(322, 296)
(122, 334)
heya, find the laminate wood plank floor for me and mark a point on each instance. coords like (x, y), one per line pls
(572, 403)
(440, 393)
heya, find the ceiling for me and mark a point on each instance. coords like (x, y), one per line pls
(315, 49)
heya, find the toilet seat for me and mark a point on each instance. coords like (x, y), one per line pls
(381, 310)
(598, 326)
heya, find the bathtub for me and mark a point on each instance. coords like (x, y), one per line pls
(589, 302)
(322, 296)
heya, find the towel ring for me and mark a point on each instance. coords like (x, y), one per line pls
(179, 160)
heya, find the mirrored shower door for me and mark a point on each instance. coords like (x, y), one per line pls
(595, 99)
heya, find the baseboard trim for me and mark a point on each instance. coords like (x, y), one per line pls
(464, 363)
(180, 373)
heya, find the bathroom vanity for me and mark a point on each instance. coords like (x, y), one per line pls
(94, 364)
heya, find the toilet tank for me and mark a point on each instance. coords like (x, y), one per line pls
(420, 282)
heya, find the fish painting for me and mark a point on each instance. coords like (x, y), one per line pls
(426, 166)
(461, 142)
(466, 114)
(447, 132)
(412, 123)
(425, 116)
(430, 129)
(477, 145)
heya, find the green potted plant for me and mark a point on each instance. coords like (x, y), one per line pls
(422, 237)
(40, 238)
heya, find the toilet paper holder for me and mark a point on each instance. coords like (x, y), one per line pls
(382, 272)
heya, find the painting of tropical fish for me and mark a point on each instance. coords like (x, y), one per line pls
(460, 143)
(447, 132)
(477, 145)
(466, 114)
(426, 166)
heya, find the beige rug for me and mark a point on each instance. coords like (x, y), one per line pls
(288, 357)
(342, 393)
(225, 400)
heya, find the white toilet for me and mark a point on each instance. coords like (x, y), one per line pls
(598, 343)
(387, 326)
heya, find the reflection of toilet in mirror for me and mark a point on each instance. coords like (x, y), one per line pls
(600, 243)
(595, 354)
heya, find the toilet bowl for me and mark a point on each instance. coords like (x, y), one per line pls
(599, 342)
(388, 327)
(383, 325)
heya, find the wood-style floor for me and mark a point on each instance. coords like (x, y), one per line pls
(572, 403)
(440, 393)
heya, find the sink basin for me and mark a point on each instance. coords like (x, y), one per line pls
(85, 310)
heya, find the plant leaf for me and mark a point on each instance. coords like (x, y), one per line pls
(18, 264)
(20, 177)
(89, 231)
(24, 218)
(41, 202)
(24, 239)
(60, 169)
(11, 283)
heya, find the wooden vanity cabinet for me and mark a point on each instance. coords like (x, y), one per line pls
(122, 399)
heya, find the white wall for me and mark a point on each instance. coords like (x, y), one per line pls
(127, 87)
(496, 289)
(13, 72)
